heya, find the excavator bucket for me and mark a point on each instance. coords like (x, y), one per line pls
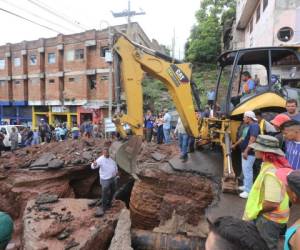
(125, 153)
(229, 180)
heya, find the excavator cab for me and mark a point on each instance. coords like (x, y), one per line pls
(276, 72)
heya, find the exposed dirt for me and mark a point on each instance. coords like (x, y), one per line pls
(68, 224)
(173, 201)
(74, 179)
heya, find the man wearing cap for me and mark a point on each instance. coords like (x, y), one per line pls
(248, 158)
(108, 171)
(268, 202)
(291, 133)
(292, 181)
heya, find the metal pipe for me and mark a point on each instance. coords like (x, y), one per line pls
(146, 240)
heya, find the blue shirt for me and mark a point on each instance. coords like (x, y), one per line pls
(167, 121)
(293, 154)
(149, 122)
(295, 117)
(251, 130)
(211, 95)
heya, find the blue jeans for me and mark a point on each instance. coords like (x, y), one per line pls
(167, 135)
(247, 167)
(183, 144)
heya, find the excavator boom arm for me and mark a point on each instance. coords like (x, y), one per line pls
(136, 60)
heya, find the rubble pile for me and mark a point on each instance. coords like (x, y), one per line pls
(52, 223)
(60, 168)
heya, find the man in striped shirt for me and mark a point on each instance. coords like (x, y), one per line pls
(291, 133)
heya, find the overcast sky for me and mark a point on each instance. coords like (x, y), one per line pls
(162, 17)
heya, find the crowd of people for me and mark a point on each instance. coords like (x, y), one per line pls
(46, 133)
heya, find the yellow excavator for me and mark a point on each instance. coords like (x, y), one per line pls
(278, 81)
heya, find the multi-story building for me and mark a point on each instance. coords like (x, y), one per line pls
(60, 79)
(266, 23)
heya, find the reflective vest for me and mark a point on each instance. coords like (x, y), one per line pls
(255, 200)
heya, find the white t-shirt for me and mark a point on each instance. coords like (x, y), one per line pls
(107, 167)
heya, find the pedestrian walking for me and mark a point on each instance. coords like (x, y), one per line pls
(160, 131)
(149, 124)
(183, 139)
(29, 137)
(75, 131)
(248, 158)
(13, 138)
(292, 181)
(268, 202)
(108, 172)
(44, 130)
(35, 137)
(167, 126)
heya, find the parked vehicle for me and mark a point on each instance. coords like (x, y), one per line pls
(7, 129)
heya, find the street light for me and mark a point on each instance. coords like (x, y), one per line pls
(108, 59)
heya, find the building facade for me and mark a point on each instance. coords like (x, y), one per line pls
(266, 23)
(59, 79)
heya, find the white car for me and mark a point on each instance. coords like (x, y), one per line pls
(6, 130)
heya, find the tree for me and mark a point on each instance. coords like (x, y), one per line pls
(204, 44)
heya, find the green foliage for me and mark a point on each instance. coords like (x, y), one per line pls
(156, 96)
(204, 44)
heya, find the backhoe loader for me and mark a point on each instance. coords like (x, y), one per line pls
(133, 60)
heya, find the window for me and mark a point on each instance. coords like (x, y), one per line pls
(92, 82)
(32, 60)
(34, 80)
(258, 13)
(51, 58)
(251, 26)
(51, 81)
(2, 63)
(265, 4)
(17, 61)
(79, 54)
(70, 55)
(103, 51)
(17, 82)
(285, 34)
(74, 79)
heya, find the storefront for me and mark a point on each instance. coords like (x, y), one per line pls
(54, 115)
(16, 115)
(95, 115)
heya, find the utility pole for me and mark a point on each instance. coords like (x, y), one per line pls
(128, 13)
(108, 59)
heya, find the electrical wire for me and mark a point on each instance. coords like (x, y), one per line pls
(38, 16)
(54, 12)
(29, 20)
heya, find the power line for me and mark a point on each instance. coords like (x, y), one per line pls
(35, 15)
(24, 18)
(54, 12)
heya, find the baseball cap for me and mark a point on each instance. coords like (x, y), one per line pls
(250, 114)
(280, 119)
(290, 178)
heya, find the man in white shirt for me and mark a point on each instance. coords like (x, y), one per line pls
(108, 171)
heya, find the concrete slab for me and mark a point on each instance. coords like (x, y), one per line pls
(208, 163)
